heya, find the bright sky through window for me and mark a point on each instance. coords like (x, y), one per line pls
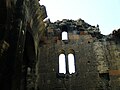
(64, 35)
(62, 64)
(71, 63)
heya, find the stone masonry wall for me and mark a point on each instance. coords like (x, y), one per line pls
(96, 59)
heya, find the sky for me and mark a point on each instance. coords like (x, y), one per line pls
(105, 13)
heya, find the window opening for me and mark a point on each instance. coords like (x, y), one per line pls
(62, 64)
(71, 63)
(64, 35)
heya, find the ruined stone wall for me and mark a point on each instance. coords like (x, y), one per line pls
(96, 59)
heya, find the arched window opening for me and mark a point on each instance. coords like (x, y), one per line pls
(62, 64)
(64, 35)
(71, 63)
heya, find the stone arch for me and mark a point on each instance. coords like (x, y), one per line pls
(29, 49)
(29, 59)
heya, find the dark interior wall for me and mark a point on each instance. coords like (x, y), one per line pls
(6, 62)
(3, 17)
(3, 12)
(15, 15)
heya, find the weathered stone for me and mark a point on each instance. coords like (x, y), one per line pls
(30, 49)
(92, 57)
